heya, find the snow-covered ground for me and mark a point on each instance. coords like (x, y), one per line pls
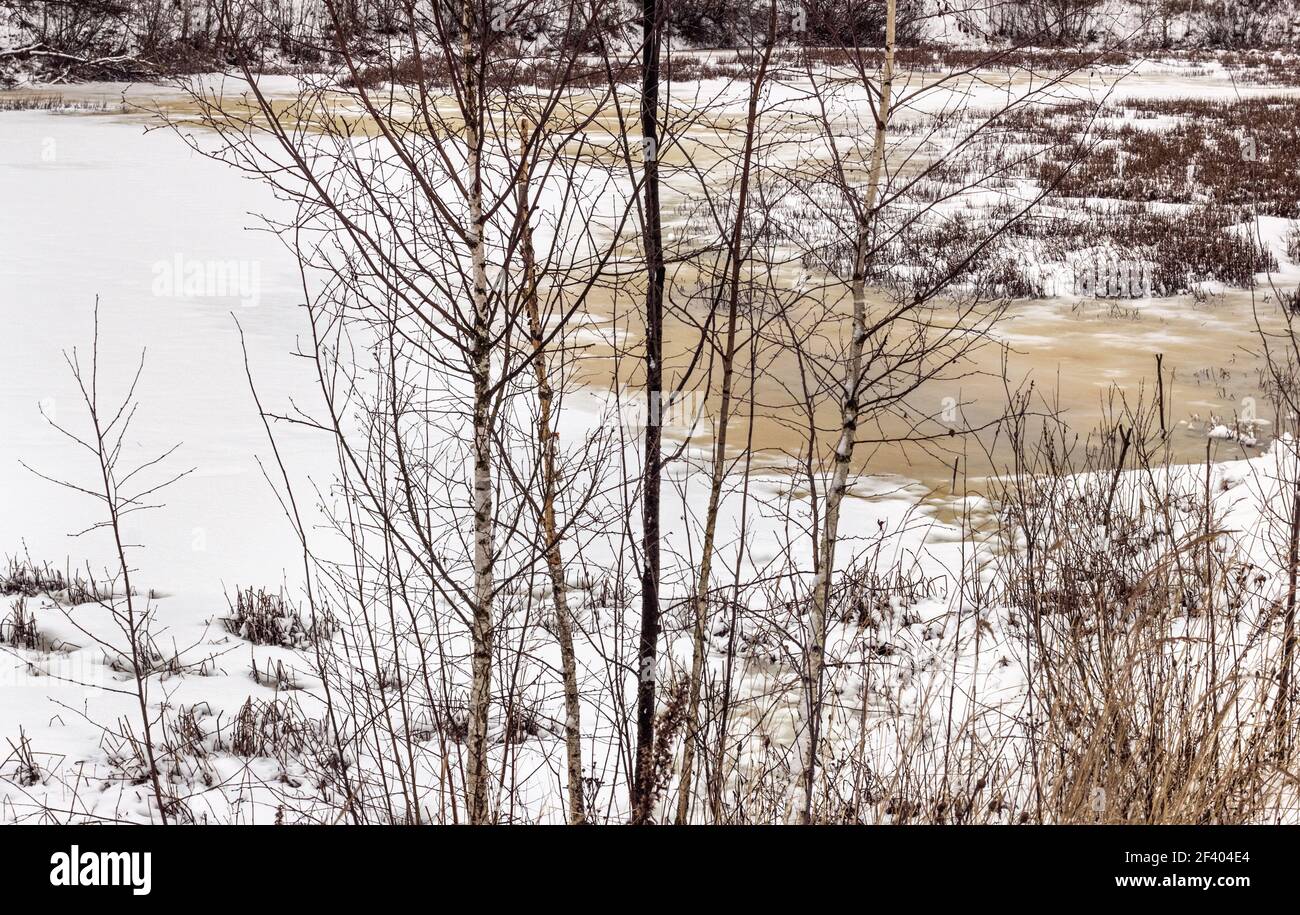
(95, 208)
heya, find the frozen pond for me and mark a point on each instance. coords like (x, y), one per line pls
(94, 207)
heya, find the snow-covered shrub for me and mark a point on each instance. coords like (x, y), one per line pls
(276, 729)
(19, 628)
(1145, 623)
(266, 618)
(29, 579)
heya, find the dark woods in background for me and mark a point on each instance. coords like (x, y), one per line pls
(135, 39)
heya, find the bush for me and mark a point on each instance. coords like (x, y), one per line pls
(812, 23)
(266, 618)
(1241, 153)
(19, 629)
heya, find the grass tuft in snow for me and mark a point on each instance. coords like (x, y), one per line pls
(27, 578)
(276, 729)
(18, 629)
(20, 766)
(24, 577)
(266, 618)
(56, 102)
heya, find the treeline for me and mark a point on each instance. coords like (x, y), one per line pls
(114, 38)
(135, 38)
(1162, 24)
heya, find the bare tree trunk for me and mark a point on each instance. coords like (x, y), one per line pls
(815, 644)
(1288, 623)
(736, 256)
(550, 484)
(480, 696)
(107, 448)
(648, 646)
(134, 633)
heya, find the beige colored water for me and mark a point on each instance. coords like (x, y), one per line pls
(1076, 359)
(1075, 355)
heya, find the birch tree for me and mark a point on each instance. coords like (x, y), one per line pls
(850, 405)
(653, 15)
(412, 225)
(736, 255)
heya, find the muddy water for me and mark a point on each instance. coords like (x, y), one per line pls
(1079, 360)
(1076, 355)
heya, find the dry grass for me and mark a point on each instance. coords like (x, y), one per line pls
(1241, 154)
(27, 578)
(1154, 646)
(276, 729)
(18, 629)
(57, 102)
(266, 618)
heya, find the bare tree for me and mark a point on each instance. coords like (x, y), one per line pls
(408, 242)
(123, 493)
(736, 255)
(546, 444)
(653, 21)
